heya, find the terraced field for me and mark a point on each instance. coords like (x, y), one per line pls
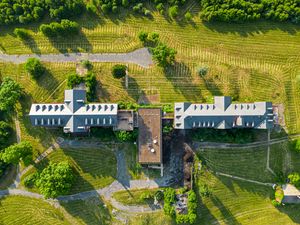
(250, 163)
(18, 210)
(237, 202)
(94, 168)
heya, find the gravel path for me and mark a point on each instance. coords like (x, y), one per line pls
(141, 57)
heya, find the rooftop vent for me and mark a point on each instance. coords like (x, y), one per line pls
(152, 150)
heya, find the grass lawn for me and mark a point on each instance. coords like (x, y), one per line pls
(237, 202)
(18, 210)
(248, 163)
(94, 168)
(133, 197)
(89, 211)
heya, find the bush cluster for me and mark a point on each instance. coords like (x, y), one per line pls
(295, 179)
(90, 83)
(126, 136)
(119, 71)
(15, 153)
(62, 29)
(10, 92)
(244, 10)
(25, 11)
(21, 33)
(169, 200)
(192, 206)
(161, 53)
(137, 6)
(34, 67)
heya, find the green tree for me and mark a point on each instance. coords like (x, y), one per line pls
(21, 33)
(188, 16)
(56, 179)
(119, 71)
(91, 83)
(15, 153)
(143, 35)
(126, 136)
(34, 67)
(173, 11)
(163, 55)
(294, 179)
(74, 79)
(5, 132)
(10, 92)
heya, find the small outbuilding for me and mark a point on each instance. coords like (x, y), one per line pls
(291, 194)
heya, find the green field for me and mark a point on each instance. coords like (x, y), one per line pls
(93, 167)
(133, 197)
(19, 210)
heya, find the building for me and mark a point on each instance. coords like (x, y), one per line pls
(150, 137)
(223, 114)
(291, 194)
(74, 115)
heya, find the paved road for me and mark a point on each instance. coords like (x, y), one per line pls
(141, 57)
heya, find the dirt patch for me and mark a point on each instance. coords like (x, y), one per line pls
(81, 70)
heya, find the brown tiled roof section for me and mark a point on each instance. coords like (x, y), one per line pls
(150, 136)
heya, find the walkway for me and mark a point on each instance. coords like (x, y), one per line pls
(140, 57)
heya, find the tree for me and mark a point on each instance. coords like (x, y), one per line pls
(56, 179)
(294, 179)
(163, 55)
(143, 35)
(5, 132)
(74, 79)
(202, 70)
(188, 16)
(173, 11)
(21, 33)
(15, 153)
(34, 67)
(10, 92)
(91, 83)
(119, 71)
(126, 136)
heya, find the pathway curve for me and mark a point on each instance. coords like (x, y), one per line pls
(141, 57)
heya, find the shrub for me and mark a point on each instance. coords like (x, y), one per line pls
(126, 136)
(202, 70)
(294, 179)
(169, 210)
(143, 36)
(159, 195)
(91, 8)
(87, 64)
(29, 181)
(153, 37)
(74, 79)
(64, 28)
(5, 132)
(56, 179)
(204, 190)
(21, 33)
(147, 12)
(91, 84)
(34, 67)
(160, 8)
(167, 129)
(119, 71)
(146, 196)
(169, 195)
(275, 203)
(173, 11)
(188, 16)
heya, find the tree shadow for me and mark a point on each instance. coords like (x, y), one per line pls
(92, 210)
(181, 78)
(104, 171)
(78, 43)
(31, 43)
(211, 86)
(251, 28)
(46, 79)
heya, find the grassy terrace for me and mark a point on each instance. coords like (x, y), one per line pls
(94, 168)
(23, 210)
(134, 197)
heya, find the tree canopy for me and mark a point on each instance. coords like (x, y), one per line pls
(34, 67)
(56, 179)
(295, 179)
(5, 132)
(163, 54)
(26, 11)
(10, 92)
(15, 153)
(119, 71)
